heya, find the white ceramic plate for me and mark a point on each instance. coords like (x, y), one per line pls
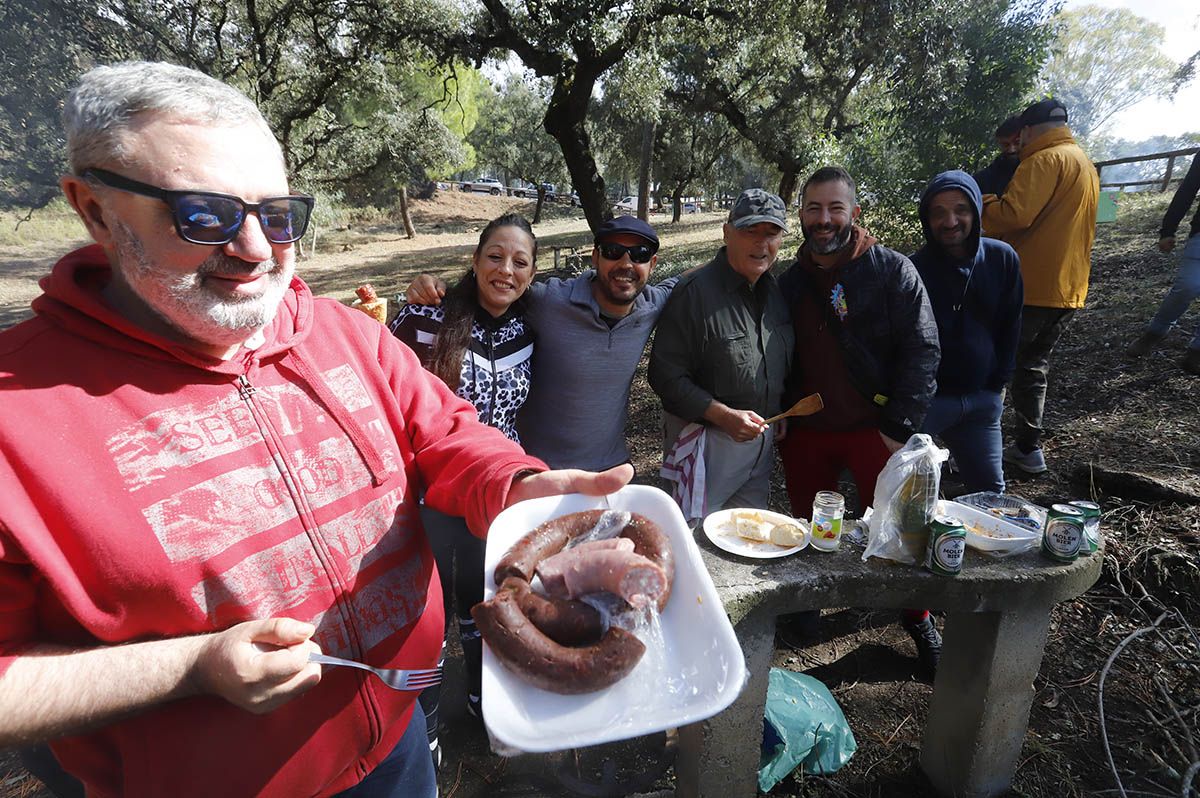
(718, 527)
(988, 532)
(692, 673)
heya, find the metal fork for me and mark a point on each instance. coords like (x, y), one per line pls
(394, 678)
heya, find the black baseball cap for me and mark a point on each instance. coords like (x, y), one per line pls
(1048, 110)
(627, 224)
(1009, 127)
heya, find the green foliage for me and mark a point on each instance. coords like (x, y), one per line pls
(934, 78)
(44, 45)
(339, 82)
(511, 135)
(1104, 61)
(400, 126)
(990, 59)
(575, 43)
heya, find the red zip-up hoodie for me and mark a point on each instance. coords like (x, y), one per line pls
(148, 491)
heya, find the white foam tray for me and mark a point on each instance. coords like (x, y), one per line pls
(696, 670)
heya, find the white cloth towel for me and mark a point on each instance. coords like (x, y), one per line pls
(684, 466)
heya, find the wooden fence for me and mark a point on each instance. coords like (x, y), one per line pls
(1162, 182)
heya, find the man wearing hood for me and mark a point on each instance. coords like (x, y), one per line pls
(210, 475)
(866, 340)
(974, 287)
(1048, 215)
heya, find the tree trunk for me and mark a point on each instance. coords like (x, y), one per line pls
(677, 202)
(409, 230)
(564, 121)
(537, 211)
(644, 172)
(787, 186)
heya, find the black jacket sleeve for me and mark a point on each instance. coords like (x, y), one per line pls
(1182, 200)
(912, 370)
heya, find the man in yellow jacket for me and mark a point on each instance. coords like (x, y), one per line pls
(1048, 215)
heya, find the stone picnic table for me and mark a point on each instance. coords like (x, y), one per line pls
(997, 614)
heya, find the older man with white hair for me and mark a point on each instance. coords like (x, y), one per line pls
(210, 475)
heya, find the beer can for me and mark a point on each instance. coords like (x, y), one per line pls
(947, 546)
(1064, 533)
(1091, 525)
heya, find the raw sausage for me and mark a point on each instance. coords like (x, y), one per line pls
(557, 644)
(551, 537)
(525, 650)
(567, 622)
(652, 543)
(545, 539)
(585, 570)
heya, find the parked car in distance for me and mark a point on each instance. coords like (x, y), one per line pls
(692, 207)
(522, 189)
(626, 205)
(487, 185)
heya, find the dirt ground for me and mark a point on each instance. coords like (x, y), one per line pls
(1106, 415)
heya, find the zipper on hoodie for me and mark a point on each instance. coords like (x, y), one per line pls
(304, 514)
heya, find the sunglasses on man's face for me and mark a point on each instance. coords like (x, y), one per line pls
(205, 217)
(638, 253)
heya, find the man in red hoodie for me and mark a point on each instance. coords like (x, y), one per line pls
(209, 474)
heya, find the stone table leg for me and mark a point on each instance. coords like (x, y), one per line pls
(718, 758)
(981, 700)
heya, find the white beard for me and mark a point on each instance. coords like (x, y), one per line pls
(183, 301)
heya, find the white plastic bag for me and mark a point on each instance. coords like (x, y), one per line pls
(905, 500)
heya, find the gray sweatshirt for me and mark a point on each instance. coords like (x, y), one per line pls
(582, 370)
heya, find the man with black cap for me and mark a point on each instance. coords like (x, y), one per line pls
(994, 177)
(721, 354)
(1048, 215)
(591, 331)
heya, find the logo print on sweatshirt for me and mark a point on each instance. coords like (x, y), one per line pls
(192, 433)
(837, 298)
(265, 505)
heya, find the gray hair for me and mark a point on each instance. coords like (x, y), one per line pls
(102, 108)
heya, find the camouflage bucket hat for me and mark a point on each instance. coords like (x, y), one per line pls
(756, 205)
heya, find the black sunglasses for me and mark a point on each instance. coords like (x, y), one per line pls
(205, 217)
(638, 253)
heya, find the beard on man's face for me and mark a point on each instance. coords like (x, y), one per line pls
(184, 301)
(840, 238)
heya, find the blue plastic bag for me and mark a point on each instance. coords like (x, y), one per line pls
(804, 726)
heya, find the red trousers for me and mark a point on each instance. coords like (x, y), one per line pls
(813, 460)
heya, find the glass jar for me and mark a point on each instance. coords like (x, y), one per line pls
(828, 510)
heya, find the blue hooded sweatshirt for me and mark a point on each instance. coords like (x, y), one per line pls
(976, 300)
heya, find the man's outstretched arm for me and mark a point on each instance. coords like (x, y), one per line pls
(425, 289)
(52, 691)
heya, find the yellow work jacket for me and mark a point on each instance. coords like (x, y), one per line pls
(1048, 215)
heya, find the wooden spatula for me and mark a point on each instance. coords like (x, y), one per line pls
(805, 407)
